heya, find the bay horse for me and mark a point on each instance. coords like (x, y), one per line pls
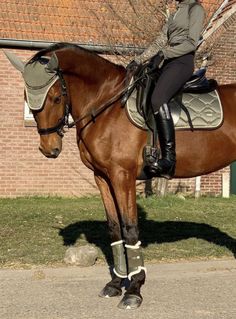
(86, 85)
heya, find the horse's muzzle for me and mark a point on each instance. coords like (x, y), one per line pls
(54, 153)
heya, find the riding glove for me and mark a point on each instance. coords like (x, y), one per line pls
(132, 66)
(156, 60)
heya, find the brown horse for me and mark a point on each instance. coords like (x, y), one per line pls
(88, 86)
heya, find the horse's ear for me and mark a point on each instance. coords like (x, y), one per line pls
(53, 63)
(15, 61)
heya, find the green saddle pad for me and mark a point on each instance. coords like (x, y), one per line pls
(205, 110)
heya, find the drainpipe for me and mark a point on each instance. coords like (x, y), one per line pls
(100, 48)
(197, 187)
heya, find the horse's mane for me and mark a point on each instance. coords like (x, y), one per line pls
(70, 46)
(104, 68)
(59, 46)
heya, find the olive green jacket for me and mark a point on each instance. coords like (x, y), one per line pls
(184, 28)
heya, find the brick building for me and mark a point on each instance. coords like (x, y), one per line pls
(27, 26)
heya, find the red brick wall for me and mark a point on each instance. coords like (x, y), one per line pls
(25, 171)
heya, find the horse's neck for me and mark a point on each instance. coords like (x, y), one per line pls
(89, 67)
(94, 85)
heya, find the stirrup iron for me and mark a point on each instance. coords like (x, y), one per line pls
(150, 154)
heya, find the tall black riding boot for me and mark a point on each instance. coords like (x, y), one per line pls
(165, 166)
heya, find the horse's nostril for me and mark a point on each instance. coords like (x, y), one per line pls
(55, 152)
(50, 154)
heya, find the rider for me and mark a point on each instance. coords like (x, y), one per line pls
(184, 28)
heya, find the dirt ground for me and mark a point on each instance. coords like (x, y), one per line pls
(189, 290)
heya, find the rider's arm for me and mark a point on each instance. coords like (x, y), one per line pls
(189, 42)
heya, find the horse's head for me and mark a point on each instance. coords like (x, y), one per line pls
(46, 96)
(91, 83)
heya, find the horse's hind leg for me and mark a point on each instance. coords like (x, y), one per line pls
(112, 288)
(124, 185)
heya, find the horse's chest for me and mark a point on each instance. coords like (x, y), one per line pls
(85, 155)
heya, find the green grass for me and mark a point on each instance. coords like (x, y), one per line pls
(37, 231)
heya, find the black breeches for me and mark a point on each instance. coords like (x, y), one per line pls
(174, 74)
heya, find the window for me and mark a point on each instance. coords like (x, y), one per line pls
(28, 116)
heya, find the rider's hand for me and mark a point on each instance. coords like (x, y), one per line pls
(156, 60)
(132, 66)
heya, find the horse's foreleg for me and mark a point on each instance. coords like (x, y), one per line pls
(113, 288)
(124, 185)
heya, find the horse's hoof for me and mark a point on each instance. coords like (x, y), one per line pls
(108, 292)
(130, 302)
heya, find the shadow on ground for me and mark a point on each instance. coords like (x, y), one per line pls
(96, 232)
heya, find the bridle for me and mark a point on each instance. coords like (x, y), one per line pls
(63, 121)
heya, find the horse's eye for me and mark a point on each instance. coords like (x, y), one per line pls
(57, 99)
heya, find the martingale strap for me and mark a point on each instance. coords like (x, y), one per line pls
(120, 267)
(135, 259)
